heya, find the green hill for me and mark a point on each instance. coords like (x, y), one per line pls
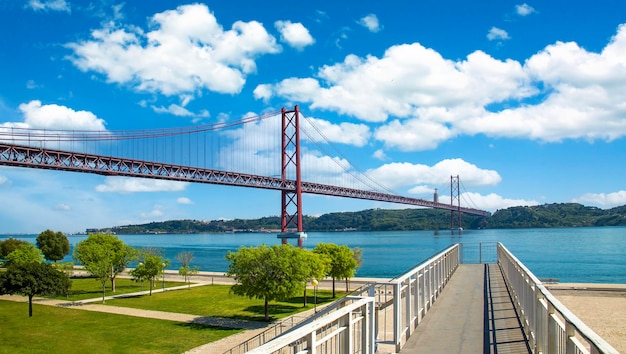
(547, 215)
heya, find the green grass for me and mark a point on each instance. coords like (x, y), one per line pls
(66, 330)
(88, 288)
(217, 301)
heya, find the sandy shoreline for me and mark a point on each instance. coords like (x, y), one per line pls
(602, 307)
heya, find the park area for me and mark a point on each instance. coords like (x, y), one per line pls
(68, 327)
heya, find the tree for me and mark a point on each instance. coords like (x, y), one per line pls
(54, 245)
(33, 279)
(152, 264)
(186, 270)
(27, 253)
(9, 245)
(104, 256)
(342, 261)
(357, 254)
(268, 273)
(315, 266)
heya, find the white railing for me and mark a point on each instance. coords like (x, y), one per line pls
(396, 309)
(549, 325)
(347, 326)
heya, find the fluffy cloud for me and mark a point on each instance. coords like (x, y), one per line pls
(51, 5)
(184, 200)
(132, 185)
(493, 202)
(294, 34)
(406, 175)
(52, 116)
(602, 200)
(406, 78)
(344, 133)
(370, 22)
(561, 92)
(180, 111)
(497, 34)
(186, 51)
(524, 9)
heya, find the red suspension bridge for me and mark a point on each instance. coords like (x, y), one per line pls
(211, 154)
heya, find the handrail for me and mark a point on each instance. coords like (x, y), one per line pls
(551, 327)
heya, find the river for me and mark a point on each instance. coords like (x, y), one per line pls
(581, 255)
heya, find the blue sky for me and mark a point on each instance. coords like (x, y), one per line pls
(525, 101)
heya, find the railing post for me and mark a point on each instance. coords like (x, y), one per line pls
(396, 315)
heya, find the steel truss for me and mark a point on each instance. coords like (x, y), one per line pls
(42, 158)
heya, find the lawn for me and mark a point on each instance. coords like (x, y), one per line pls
(88, 288)
(66, 330)
(217, 301)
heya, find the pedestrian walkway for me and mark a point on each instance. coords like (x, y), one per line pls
(474, 314)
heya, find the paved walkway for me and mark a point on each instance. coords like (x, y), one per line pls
(474, 314)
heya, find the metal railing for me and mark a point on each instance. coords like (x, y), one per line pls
(549, 325)
(384, 313)
(347, 326)
(267, 335)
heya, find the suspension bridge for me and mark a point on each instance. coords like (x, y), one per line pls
(242, 153)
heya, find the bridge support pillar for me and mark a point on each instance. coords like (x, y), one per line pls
(455, 211)
(291, 204)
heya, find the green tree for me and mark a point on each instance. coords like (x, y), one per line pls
(104, 257)
(33, 279)
(27, 253)
(342, 261)
(54, 245)
(9, 245)
(315, 266)
(186, 270)
(151, 266)
(268, 273)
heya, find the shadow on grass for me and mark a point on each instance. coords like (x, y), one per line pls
(203, 327)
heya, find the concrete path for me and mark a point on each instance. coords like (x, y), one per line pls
(474, 314)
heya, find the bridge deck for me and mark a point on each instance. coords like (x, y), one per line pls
(475, 314)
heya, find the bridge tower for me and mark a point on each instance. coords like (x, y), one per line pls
(455, 204)
(291, 205)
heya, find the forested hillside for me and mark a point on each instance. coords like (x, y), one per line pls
(547, 215)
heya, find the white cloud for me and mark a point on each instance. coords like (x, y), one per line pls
(370, 22)
(52, 116)
(602, 200)
(561, 92)
(4, 180)
(498, 34)
(180, 111)
(380, 154)
(184, 200)
(294, 34)
(185, 52)
(406, 78)
(133, 184)
(263, 92)
(408, 176)
(413, 134)
(50, 5)
(524, 9)
(344, 133)
(492, 202)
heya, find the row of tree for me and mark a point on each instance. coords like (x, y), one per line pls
(103, 256)
(266, 272)
(282, 271)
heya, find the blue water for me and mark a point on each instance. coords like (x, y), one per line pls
(582, 255)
